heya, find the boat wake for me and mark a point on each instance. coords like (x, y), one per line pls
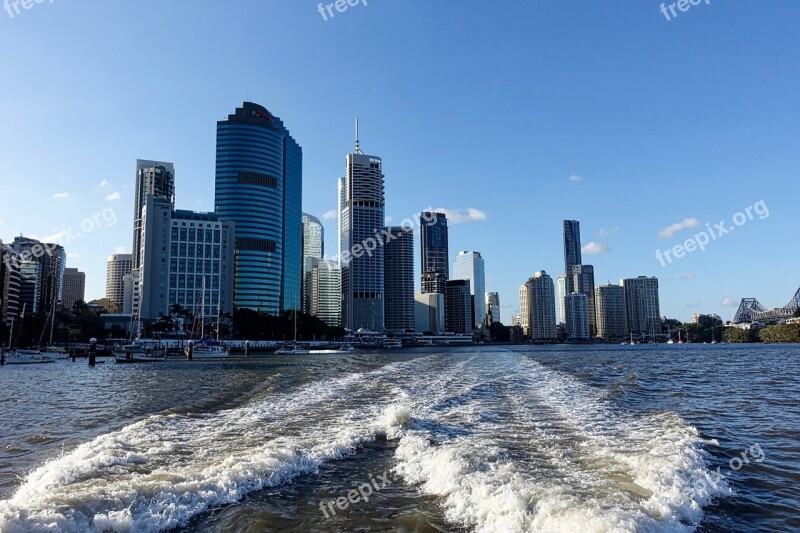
(503, 442)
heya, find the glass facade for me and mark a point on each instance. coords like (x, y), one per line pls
(259, 174)
(435, 254)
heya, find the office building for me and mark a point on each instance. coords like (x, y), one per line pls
(577, 312)
(74, 288)
(459, 315)
(611, 320)
(469, 266)
(156, 179)
(259, 173)
(435, 254)
(493, 307)
(572, 250)
(429, 313)
(41, 269)
(117, 267)
(583, 282)
(361, 225)
(9, 287)
(541, 307)
(313, 248)
(181, 253)
(398, 261)
(642, 307)
(561, 286)
(326, 292)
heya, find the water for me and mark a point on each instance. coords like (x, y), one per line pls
(609, 438)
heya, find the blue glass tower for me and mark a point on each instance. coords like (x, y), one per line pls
(259, 186)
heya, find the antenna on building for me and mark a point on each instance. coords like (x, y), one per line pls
(358, 146)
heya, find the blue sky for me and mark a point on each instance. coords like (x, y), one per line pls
(527, 112)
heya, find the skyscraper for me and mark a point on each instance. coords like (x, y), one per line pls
(41, 268)
(642, 307)
(361, 227)
(259, 174)
(326, 292)
(572, 250)
(313, 248)
(493, 304)
(469, 266)
(576, 305)
(458, 307)
(117, 267)
(9, 287)
(435, 252)
(561, 286)
(74, 287)
(398, 260)
(583, 282)
(524, 308)
(541, 307)
(611, 319)
(429, 312)
(153, 178)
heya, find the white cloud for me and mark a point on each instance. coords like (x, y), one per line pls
(686, 223)
(688, 276)
(55, 238)
(457, 216)
(607, 232)
(72, 255)
(387, 220)
(61, 195)
(330, 215)
(729, 302)
(104, 184)
(595, 248)
(689, 306)
(120, 250)
(575, 178)
(113, 196)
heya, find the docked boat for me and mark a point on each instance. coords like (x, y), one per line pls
(292, 349)
(141, 351)
(392, 343)
(346, 348)
(207, 349)
(26, 357)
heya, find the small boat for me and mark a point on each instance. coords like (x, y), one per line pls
(140, 352)
(207, 349)
(346, 348)
(292, 349)
(392, 343)
(26, 357)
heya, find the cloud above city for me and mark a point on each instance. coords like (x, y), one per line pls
(729, 302)
(330, 215)
(595, 248)
(458, 216)
(113, 196)
(575, 178)
(61, 195)
(671, 230)
(607, 232)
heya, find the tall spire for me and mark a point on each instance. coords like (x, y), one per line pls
(358, 146)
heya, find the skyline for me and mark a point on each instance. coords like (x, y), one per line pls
(621, 151)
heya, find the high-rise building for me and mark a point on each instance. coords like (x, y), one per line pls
(583, 282)
(74, 287)
(41, 268)
(541, 307)
(435, 252)
(611, 320)
(561, 286)
(642, 307)
(326, 292)
(524, 308)
(313, 248)
(429, 312)
(458, 307)
(577, 311)
(493, 306)
(469, 266)
(259, 174)
(153, 178)
(9, 287)
(361, 226)
(117, 267)
(181, 253)
(398, 261)
(572, 250)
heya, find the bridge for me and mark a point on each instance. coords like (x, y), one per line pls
(751, 310)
